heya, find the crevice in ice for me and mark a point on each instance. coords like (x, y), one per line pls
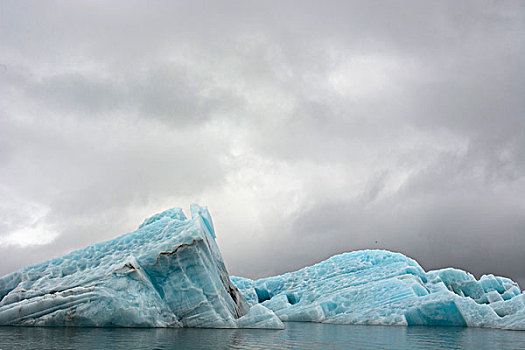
(179, 248)
(236, 296)
(292, 299)
(233, 295)
(262, 295)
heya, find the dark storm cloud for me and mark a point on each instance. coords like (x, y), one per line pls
(308, 128)
(442, 217)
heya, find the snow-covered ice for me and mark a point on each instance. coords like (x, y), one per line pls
(168, 273)
(385, 288)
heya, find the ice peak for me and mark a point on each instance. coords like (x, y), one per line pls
(204, 214)
(173, 214)
(168, 273)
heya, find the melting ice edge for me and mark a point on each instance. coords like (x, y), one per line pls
(170, 273)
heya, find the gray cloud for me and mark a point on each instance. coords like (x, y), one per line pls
(307, 128)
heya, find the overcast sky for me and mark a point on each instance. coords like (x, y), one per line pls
(308, 128)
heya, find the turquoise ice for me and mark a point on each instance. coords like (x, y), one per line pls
(379, 287)
(168, 273)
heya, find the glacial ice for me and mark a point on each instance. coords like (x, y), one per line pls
(168, 273)
(385, 288)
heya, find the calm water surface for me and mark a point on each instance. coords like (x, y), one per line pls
(295, 336)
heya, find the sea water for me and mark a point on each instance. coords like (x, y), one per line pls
(296, 336)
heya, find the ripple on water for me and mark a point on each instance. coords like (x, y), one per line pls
(308, 336)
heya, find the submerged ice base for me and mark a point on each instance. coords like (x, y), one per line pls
(384, 288)
(168, 273)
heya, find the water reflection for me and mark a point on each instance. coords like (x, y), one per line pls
(295, 336)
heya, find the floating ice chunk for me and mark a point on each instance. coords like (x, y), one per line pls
(260, 317)
(168, 273)
(382, 287)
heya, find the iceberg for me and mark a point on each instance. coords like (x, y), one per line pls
(379, 287)
(168, 273)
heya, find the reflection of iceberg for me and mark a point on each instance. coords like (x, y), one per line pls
(381, 287)
(168, 273)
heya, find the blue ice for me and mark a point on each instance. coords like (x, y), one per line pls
(168, 273)
(380, 287)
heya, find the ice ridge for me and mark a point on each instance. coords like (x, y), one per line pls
(380, 287)
(168, 273)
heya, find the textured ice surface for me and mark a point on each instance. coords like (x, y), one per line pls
(386, 288)
(168, 273)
